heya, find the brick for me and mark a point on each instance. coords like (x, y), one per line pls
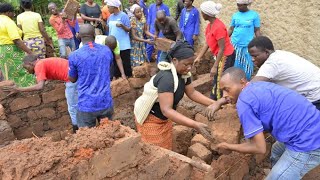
(119, 87)
(200, 151)
(46, 113)
(57, 94)
(163, 44)
(6, 133)
(203, 84)
(61, 123)
(31, 115)
(23, 132)
(198, 138)
(137, 83)
(15, 121)
(37, 128)
(62, 106)
(182, 173)
(23, 103)
(182, 136)
(140, 72)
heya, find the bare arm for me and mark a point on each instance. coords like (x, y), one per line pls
(124, 27)
(260, 78)
(230, 30)
(43, 32)
(221, 44)
(178, 35)
(257, 31)
(86, 18)
(22, 46)
(36, 87)
(120, 66)
(135, 37)
(147, 32)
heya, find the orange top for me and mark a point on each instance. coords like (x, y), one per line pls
(105, 13)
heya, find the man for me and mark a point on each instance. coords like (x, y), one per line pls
(169, 28)
(143, 5)
(89, 66)
(153, 9)
(286, 69)
(179, 7)
(51, 69)
(291, 119)
(65, 36)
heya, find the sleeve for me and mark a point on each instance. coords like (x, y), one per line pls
(197, 23)
(83, 9)
(117, 49)
(251, 124)
(40, 72)
(149, 15)
(39, 18)
(73, 72)
(167, 11)
(164, 82)
(125, 20)
(256, 21)
(269, 70)
(13, 31)
(233, 22)
(220, 33)
(181, 21)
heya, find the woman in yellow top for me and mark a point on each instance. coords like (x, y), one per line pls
(34, 34)
(12, 48)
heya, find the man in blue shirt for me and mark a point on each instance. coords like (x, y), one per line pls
(89, 66)
(291, 119)
(143, 5)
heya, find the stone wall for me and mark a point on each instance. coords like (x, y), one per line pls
(292, 25)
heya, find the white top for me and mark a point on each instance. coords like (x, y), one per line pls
(294, 72)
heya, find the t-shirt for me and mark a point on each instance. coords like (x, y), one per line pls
(105, 12)
(101, 39)
(121, 35)
(8, 30)
(293, 72)
(288, 116)
(165, 83)
(52, 69)
(216, 32)
(91, 64)
(29, 22)
(61, 27)
(168, 29)
(244, 24)
(93, 12)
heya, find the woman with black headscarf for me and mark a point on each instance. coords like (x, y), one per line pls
(155, 109)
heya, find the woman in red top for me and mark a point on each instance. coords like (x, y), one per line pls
(219, 43)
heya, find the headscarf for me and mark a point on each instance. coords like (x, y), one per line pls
(181, 50)
(133, 7)
(210, 8)
(244, 1)
(114, 3)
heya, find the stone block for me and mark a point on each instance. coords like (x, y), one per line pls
(6, 133)
(15, 121)
(62, 106)
(182, 136)
(137, 83)
(198, 138)
(163, 44)
(56, 94)
(23, 132)
(61, 123)
(140, 72)
(31, 115)
(37, 128)
(119, 87)
(46, 113)
(23, 103)
(182, 172)
(200, 151)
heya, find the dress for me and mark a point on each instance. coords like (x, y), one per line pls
(138, 49)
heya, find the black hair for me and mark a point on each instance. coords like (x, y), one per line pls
(236, 74)
(180, 50)
(26, 4)
(6, 7)
(29, 59)
(262, 43)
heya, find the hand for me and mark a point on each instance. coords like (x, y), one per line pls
(119, 25)
(210, 111)
(64, 15)
(155, 37)
(149, 41)
(98, 20)
(11, 89)
(196, 61)
(204, 130)
(123, 76)
(195, 38)
(223, 148)
(213, 71)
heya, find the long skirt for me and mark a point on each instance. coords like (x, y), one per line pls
(37, 46)
(156, 131)
(11, 65)
(244, 61)
(225, 63)
(138, 54)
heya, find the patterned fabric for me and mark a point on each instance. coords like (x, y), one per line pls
(138, 49)
(11, 65)
(156, 131)
(37, 46)
(244, 61)
(225, 63)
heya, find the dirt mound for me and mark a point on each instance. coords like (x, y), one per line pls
(41, 158)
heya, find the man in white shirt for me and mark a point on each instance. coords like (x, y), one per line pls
(286, 69)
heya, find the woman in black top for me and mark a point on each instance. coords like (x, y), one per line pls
(91, 13)
(157, 128)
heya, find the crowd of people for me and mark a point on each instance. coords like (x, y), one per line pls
(283, 98)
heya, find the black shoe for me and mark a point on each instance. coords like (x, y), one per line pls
(74, 128)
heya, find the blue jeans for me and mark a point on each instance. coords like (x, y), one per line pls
(72, 101)
(89, 119)
(63, 43)
(288, 164)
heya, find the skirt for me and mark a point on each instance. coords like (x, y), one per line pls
(244, 61)
(156, 131)
(11, 65)
(37, 46)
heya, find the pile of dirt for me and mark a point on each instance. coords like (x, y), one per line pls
(41, 158)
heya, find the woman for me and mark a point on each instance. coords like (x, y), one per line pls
(12, 48)
(34, 33)
(219, 43)
(91, 13)
(244, 25)
(190, 22)
(154, 118)
(138, 52)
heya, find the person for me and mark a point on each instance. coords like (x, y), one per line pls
(89, 66)
(290, 118)
(12, 48)
(142, 4)
(53, 68)
(190, 22)
(168, 27)
(74, 28)
(286, 69)
(153, 8)
(34, 34)
(119, 27)
(154, 118)
(179, 7)
(244, 25)
(105, 15)
(138, 53)
(91, 14)
(65, 36)
(219, 43)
